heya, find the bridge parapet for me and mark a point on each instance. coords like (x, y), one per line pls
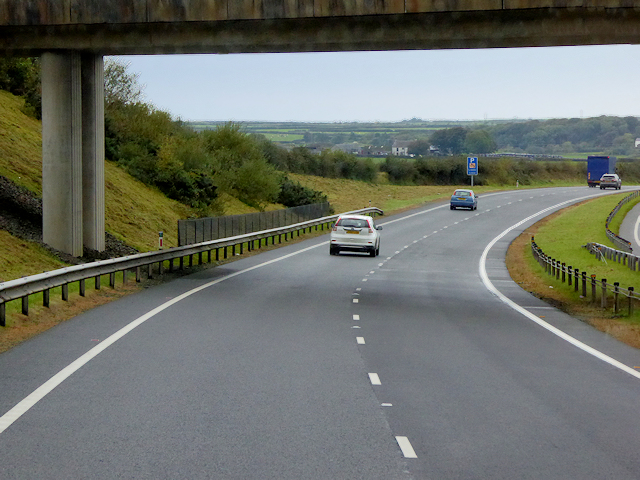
(76, 12)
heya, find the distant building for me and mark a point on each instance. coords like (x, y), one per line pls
(353, 147)
(400, 148)
(373, 151)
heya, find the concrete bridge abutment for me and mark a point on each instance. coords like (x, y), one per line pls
(73, 151)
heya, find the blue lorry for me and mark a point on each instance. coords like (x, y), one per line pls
(598, 165)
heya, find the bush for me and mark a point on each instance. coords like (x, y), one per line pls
(293, 194)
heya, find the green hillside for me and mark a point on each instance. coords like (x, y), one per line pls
(135, 213)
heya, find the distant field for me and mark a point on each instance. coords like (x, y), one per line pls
(283, 137)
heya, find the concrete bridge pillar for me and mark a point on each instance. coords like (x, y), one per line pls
(93, 151)
(72, 151)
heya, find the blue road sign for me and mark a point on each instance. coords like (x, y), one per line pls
(472, 165)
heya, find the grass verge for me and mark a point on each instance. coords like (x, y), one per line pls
(561, 236)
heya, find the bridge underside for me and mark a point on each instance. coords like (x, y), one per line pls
(72, 36)
(440, 30)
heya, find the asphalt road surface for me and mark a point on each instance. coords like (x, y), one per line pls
(426, 362)
(630, 228)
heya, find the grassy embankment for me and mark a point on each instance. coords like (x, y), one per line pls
(561, 236)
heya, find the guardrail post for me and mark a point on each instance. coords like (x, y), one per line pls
(124, 277)
(81, 287)
(25, 305)
(3, 315)
(149, 271)
(225, 253)
(630, 301)
(191, 260)
(96, 282)
(564, 274)
(208, 256)
(553, 267)
(45, 298)
(199, 258)
(616, 291)
(584, 284)
(138, 274)
(593, 288)
(112, 279)
(558, 270)
(240, 249)
(577, 274)
(217, 254)
(65, 292)
(171, 265)
(569, 274)
(160, 268)
(233, 250)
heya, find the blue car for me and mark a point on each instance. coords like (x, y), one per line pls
(464, 199)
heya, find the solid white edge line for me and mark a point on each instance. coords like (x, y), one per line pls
(360, 340)
(575, 342)
(405, 446)
(635, 231)
(38, 394)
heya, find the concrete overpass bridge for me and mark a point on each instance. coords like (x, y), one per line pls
(72, 36)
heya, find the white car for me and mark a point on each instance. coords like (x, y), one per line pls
(610, 180)
(355, 233)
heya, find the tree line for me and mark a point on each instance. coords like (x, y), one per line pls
(197, 167)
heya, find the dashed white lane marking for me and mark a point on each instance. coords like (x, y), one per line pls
(355, 300)
(358, 289)
(360, 340)
(405, 446)
(375, 379)
(556, 331)
(364, 279)
(386, 405)
(356, 317)
(355, 326)
(380, 264)
(371, 272)
(397, 251)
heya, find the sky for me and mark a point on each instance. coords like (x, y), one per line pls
(523, 83)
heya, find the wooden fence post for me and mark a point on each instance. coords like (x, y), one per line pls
(603, 298)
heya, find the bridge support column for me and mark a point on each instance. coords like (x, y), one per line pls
(93, 151)
(72, 151)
